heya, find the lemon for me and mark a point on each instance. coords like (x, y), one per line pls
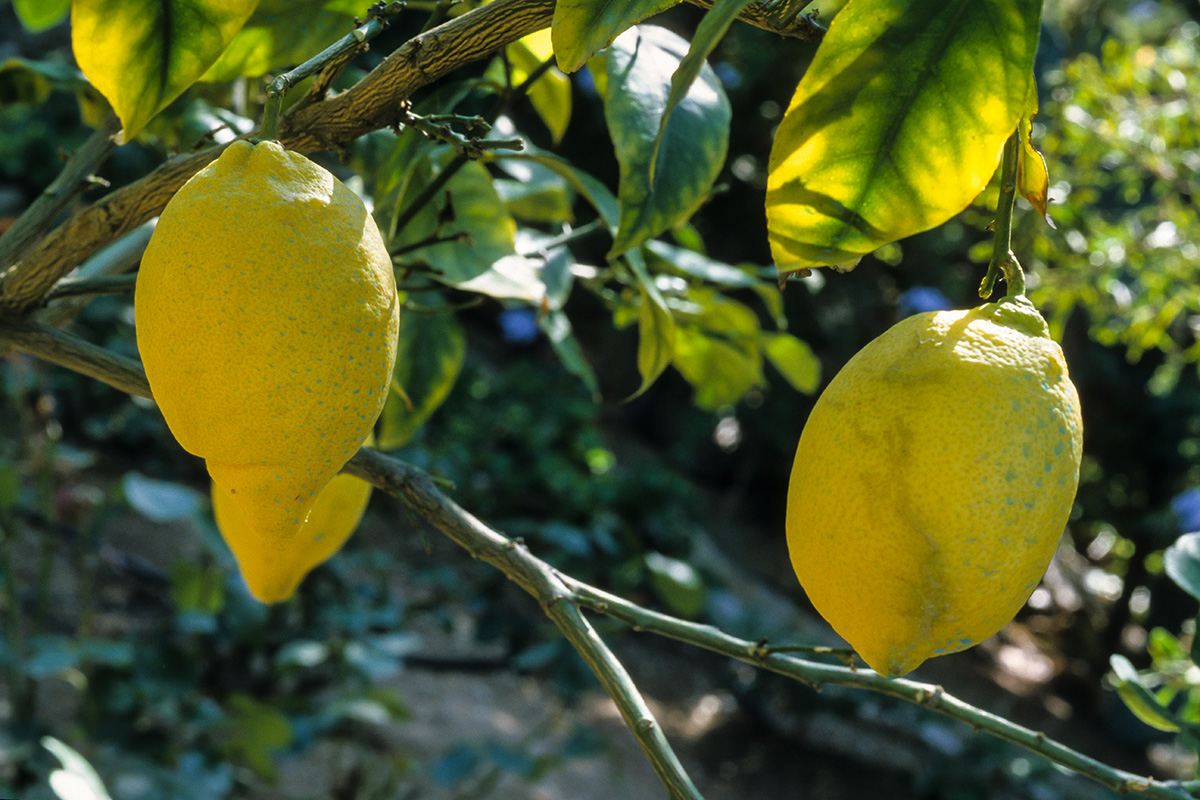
(933, 481)
(266, 316)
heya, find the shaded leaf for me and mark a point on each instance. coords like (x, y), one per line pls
(161, 501)
(677, 584)
(142, 54)
(582, 28)
(544, 198)
(551, 93)
(694, 143)
(558, 330)
(710, 30)
(897, 125)
(475, 213)
(592, 189)
(429, 357)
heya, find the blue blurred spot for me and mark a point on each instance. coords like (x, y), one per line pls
(586, 83)
(518, 325)
(1186, 506)
(730, 77)
(920, 299)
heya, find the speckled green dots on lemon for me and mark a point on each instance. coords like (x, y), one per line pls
(933, 481)
(266, 315)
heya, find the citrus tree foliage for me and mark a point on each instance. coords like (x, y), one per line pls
(452, 125)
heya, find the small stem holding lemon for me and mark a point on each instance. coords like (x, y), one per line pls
(1004, 263)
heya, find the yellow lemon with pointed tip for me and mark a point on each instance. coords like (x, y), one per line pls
(266, 316)
(933, 481)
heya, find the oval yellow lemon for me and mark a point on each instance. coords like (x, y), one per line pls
(933, 481)
(266, 315)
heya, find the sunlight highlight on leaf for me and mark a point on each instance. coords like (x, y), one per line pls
(582, 28)
(897, 124)
(142, 54)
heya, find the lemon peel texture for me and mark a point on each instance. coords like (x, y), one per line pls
(266, 315)
(933, 481)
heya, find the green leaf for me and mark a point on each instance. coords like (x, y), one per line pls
(429, 356)
(142, 54)
(254, 733)
(720, 370)
(795, 360)
(592, 189)
(897, 125)
(558, 330)
(677, 584)
(551, 93)
(282, 34)
(582, 28)
(1138, 698)
(710, 30)
(546, 198)
(473, 212)
(39, 15)
(1182, 563)
(656, 326)
(695, 265)
(510, 278)
(695, 140)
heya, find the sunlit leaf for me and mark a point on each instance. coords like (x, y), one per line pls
(77, 780)
(795, 360)
(142, 54)
(1033, 180)
(161, 501)
(1138, 698)
(429, 356)
(283, 34)
(699, 266)
(897, 125)
(710, 30)
(1182, 563)
(677, 583)
(582, 28)
(639, 65)
(586, 184)
(720, 370)
(550, 94)
(656, 326)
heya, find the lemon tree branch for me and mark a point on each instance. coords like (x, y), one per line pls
(371, 104)
(562, 598)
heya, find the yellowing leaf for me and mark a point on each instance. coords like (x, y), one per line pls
(551, 93)
(1033, 180)
(897, 125)
(142, 54)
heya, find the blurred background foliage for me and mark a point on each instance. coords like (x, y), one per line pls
(127, 633)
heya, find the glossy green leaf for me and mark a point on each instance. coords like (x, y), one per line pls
(510, 278)
(39, 15)
(795, 361)
(429, 356)
(708, 33)
(1138, 698)
(1182, 563)
(897, 125)
(595, 192)
(551, 93)
(656, 326)
(473, 213)
(546, 198)
(638, 66)
(720, 370)
(282, 34)
(695, 265)
(582, 28)
(142, 54)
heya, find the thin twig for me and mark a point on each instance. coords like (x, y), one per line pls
(54, 199)
(554, 589)
(1004, 263)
